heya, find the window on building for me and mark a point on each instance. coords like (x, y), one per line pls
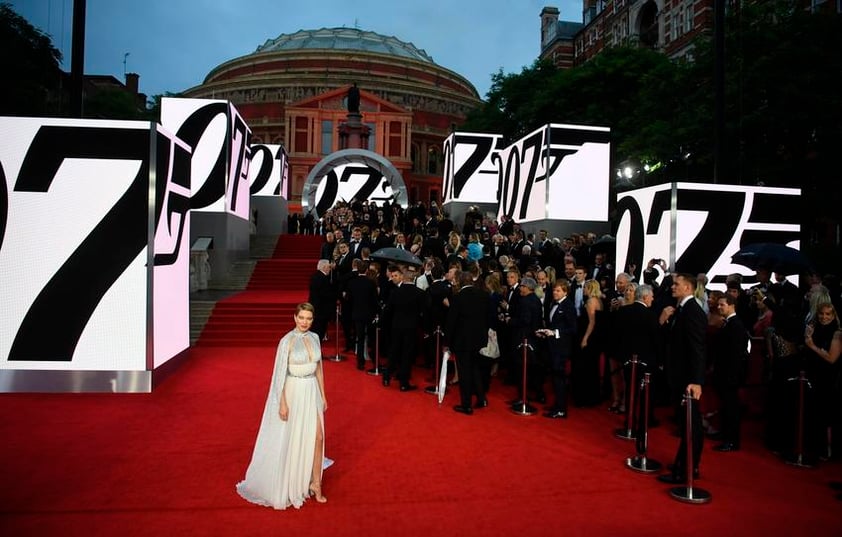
(688, 17)
(327, 137)
(395, 139)
(414, 156)
(372, 136)
(433, 161)
(300, 135)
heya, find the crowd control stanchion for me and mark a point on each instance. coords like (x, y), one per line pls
(338, 357)
(687, 493)
(627, 432)
(523, 407)
(797, 459)
(434, 389)
(640, 462)
(376, 370)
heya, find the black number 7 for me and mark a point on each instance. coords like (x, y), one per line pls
(54, 323)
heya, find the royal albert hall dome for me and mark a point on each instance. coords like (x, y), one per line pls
(292, 92)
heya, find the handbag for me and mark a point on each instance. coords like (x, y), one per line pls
(492, 348)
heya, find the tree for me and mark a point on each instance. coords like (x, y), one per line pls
(31, 64)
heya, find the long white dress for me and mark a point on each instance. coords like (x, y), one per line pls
(281, 465)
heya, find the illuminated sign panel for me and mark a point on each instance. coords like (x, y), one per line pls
(535, 178)
(81, 201)
(712, 222)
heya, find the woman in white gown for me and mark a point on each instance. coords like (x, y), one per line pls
(286, 465)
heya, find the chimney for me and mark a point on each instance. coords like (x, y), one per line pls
(133, 82)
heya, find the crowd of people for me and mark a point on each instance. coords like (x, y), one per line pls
(555, 305)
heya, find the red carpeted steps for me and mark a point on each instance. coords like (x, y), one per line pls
(258, 316)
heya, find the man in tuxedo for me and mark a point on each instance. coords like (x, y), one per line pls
(560, 332)
(637, 335)
(729, 368)
(361, 293)
(402, 315)
(499, 246)
(685, 325)
(358, 242)
(322, 297)
(467, 324)
(505, 337)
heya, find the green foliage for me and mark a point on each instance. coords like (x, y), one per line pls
(30, 65)
(783, 104)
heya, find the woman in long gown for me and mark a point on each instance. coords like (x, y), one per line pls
(286, 465)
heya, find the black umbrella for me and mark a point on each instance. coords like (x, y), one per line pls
(397, 255)
(772, 256)
(604, 244)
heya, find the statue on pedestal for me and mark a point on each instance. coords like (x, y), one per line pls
(354, 99)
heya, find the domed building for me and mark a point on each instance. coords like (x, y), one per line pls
(293, 91)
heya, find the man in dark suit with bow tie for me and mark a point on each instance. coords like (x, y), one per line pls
(467, 329)
(357, 243)
(560, 331)
(729, 367)
(685, 326)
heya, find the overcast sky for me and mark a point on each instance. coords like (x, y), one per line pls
(173, 44)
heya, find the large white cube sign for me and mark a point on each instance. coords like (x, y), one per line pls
(220, 140)
(535, 178)
(711, 223)
(94, 230)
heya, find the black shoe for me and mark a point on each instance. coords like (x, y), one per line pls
(680, 472)
(725, 447)
(463, 409)
(515, 402)
(360, 365)
(672, 479)
(408, 387)
(556, 414)
(386, 381)
(481, 404)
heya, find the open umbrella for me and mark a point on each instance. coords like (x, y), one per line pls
(397, 255)
(604, 244)
(772, 256)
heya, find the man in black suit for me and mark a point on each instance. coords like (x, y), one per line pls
(527, 319)
(433, 246)
(685, 327)
(402, 315)
(729, 366)
(439, 294)
(322, 297)
(361, 292)
(560, 333)
(467, 324)
(637, 335)
(358, 242)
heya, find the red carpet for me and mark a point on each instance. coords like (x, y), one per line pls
(166, 463)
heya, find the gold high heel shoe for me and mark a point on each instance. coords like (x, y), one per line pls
(316, 492)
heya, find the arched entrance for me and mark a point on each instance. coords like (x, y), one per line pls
(647, 25)
(352, 174)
